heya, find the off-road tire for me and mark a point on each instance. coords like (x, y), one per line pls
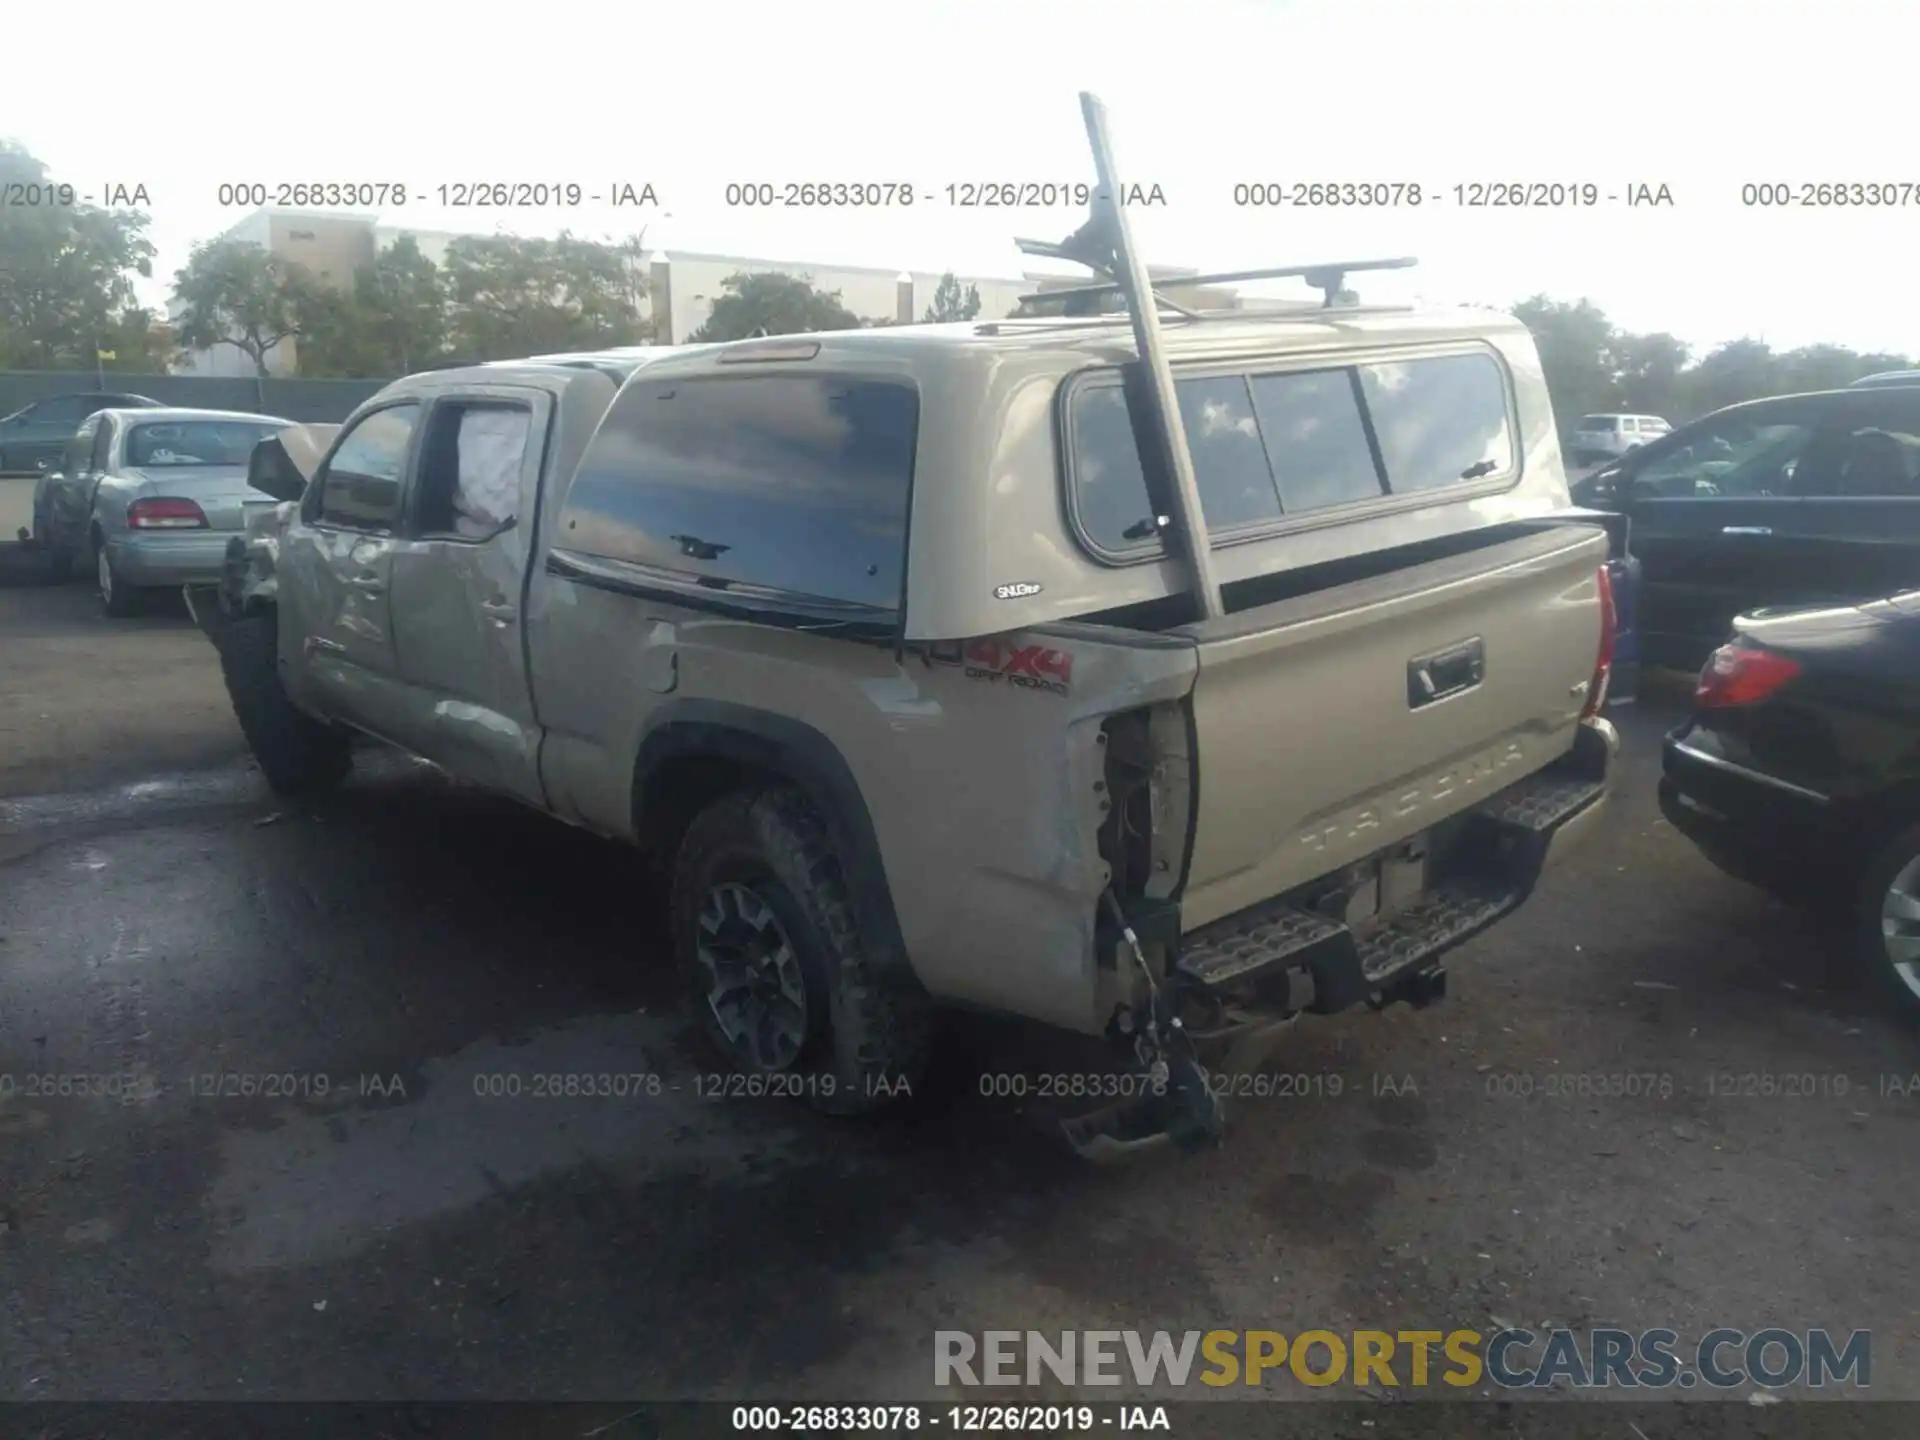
(870, 1024)
(298, 755)
(1868, 943)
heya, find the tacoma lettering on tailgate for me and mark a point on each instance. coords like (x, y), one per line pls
(1428, 792)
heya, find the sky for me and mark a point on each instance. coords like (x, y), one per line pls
(1701, 97)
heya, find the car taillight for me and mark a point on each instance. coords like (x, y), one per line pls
(165, 515)
(1741, 675)
(1603, 661)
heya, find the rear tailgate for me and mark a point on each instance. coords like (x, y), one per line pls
(1319, 740)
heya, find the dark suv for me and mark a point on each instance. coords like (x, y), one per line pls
(1799, 499)
(32, 439)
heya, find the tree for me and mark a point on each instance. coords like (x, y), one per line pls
(66, 276)
(770, 303)
(394, 320)
(1647, 371)
(950, 304)
(1576, 343)
(1743, 369)
(513, 297)
(233, 292)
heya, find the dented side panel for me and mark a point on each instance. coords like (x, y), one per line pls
(980, 764)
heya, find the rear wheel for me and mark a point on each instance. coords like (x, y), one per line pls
(119, 599)
(298, 754)
(1888, 935)
(59, 562)
(785, 985)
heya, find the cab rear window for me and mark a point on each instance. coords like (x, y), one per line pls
(795, 484)
(1269, 446)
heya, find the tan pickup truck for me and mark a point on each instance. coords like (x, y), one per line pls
(1158, 674)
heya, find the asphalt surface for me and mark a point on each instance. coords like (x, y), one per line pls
(393, 1223)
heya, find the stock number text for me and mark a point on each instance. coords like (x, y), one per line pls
(362, 193)
(1327, 194)
(1870, 195)
(818, 194)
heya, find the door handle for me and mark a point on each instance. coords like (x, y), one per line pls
(367, 585)
(1436, 677)
(1746, 530)
(499, 610)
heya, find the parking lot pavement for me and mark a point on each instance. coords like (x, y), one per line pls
(85, 702)
(333, 1163)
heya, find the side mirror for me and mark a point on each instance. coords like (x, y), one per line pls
(1599, 491)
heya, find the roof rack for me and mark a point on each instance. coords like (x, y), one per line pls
(1329, 278)
(1045, 324)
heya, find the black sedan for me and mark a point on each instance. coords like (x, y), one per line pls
(1799, 771)
(32, 439)
(1793, 500)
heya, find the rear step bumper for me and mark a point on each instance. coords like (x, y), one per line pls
(1488, 869)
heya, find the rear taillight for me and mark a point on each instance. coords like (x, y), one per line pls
(1741, 675)
(165, 515)
(1603, 661)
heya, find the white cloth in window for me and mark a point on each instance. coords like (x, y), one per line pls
(492, 449)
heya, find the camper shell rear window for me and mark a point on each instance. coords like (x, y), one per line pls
(1273, 447)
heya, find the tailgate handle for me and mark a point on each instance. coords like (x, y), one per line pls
(1434, 677)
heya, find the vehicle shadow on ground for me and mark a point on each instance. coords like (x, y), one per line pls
(23, 567)
(567, 923)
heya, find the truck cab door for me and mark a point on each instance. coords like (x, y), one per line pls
(336, 571)
(460, 586)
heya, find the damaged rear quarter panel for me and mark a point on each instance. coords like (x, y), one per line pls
(982, 790)
(988, 802)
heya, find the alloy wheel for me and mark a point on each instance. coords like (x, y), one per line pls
(1900, 925)
(756, 989)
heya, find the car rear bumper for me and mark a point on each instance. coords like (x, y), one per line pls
(1754, 826)
(1480, 867)
(162, 558)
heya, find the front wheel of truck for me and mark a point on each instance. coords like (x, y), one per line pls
(298, 754)
(767, 933)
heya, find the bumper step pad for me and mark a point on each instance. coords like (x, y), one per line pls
(1495, 866)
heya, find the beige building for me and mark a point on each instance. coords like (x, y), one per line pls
(684, 284)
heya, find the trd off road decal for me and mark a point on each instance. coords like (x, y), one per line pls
(1026, 667)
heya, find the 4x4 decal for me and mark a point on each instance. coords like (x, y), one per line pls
(1025, 667)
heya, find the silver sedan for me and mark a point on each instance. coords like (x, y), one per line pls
(149, 498)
